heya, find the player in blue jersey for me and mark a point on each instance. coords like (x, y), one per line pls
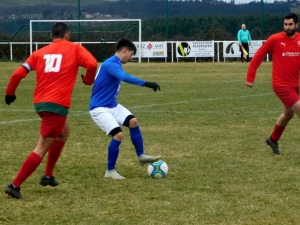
(109, 115)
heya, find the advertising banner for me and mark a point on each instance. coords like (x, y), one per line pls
(231, 49)
(152, 49)
(255, 45)
(195, 49)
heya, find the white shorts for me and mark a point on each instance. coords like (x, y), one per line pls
(109, 118)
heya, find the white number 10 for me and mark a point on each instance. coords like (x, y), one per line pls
(53, 62)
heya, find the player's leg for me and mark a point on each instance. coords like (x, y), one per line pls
(296, 108)
(279, 128)
(113, 153)
(289, 97)
(281, 123)
(104, 119)
(135, 134)
(30, 164)
(54, 153)
(49, 130)
(125, 117)
(242, 54)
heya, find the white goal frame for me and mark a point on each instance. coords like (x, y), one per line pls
(74, 21)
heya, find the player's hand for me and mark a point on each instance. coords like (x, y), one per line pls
(10, 99)
(82, 78)
(152, 85)
(249, 84)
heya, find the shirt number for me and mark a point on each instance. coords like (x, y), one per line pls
(52, 63)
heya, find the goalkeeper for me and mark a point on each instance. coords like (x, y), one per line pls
(109, 115)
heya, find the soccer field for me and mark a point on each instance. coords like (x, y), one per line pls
(207, 125)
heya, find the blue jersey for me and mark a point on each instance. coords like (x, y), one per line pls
(107, 83)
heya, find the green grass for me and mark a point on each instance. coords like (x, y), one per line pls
(208, 127)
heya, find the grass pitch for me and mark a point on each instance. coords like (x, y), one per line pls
(207, 125)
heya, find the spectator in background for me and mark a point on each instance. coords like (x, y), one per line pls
(244, 39)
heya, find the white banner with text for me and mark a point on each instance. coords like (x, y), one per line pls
(152, 49)
(195, 49)
(231, 49)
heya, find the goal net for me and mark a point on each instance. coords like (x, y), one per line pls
(98, 36)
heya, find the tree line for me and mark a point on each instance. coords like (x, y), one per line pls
(188, 27)
(135, 9)
(173, 28)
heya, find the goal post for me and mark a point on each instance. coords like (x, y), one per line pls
(31, 22)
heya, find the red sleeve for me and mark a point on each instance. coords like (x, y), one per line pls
(88, 61)
(15, 79)
(257, 59)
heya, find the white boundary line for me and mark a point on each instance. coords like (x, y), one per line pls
(80, 113)
(202, 100)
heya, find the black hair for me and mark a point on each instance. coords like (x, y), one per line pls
(125, 43)
(59, 30)
(291, 16)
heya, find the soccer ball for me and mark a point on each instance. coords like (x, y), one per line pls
(158, 169)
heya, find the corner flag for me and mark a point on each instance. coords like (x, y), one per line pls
(245, 53)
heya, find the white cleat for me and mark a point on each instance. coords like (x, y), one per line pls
(143, 159)
(113, 174)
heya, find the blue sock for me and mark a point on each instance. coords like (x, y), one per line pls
(137, 140)
(113, 152)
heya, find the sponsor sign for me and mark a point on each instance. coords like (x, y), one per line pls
(152, 49)
(255, 45)
(195, 49)
(231, 49)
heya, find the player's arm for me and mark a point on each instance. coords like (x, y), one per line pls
(20, 73)
(88, 61)
(239, 37)
(257, 60)
(249, 36)
(120, 74)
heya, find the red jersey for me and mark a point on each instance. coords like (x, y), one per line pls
(56, 67)
(285, 56)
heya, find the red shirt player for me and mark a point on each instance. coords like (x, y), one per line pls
(285, 50)
(56, 67)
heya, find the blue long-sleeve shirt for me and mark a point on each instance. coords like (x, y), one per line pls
(108, 81)
(243, 36)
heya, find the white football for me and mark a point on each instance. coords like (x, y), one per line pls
(158, 169)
